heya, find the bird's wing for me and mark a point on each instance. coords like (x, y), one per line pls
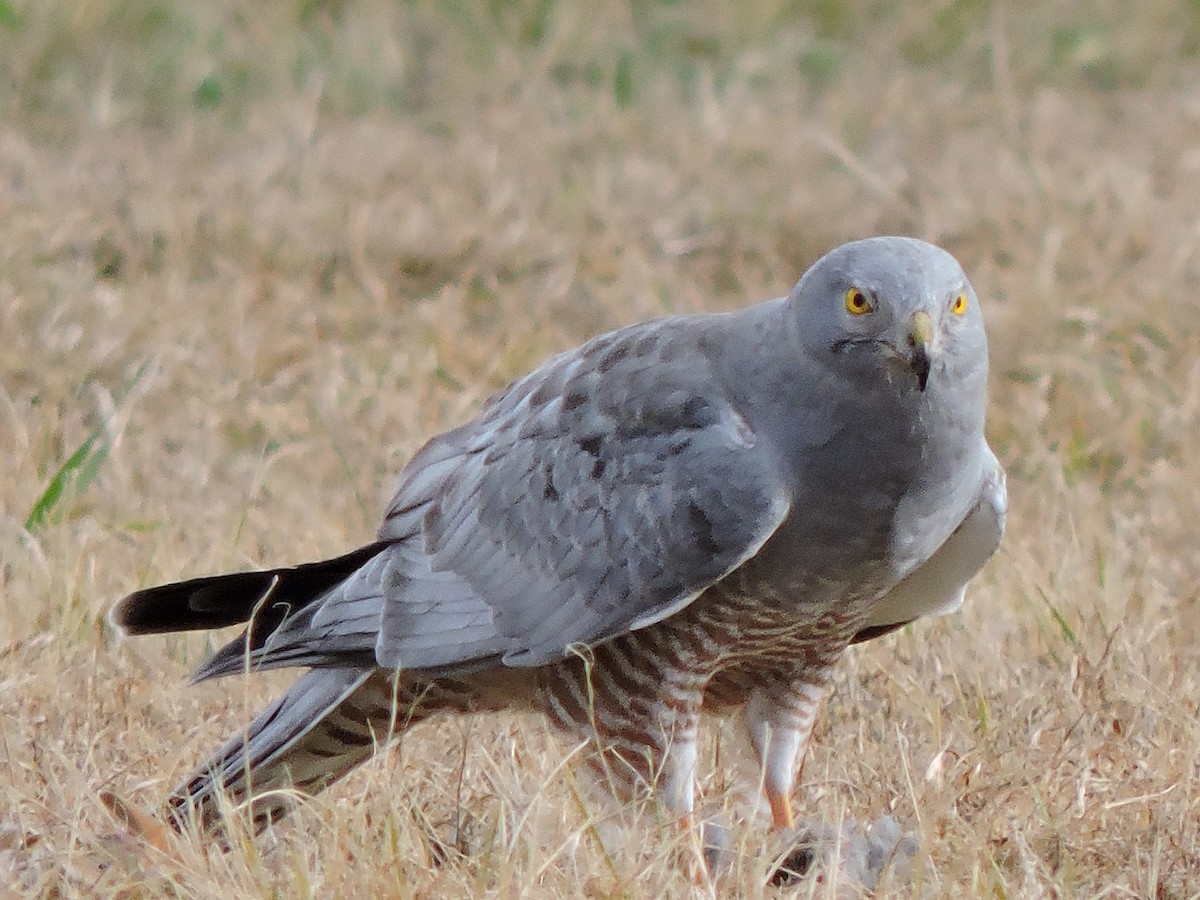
(938, 585)
(598, 495)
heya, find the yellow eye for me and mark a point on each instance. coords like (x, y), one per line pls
(857, 303)
(959, 306)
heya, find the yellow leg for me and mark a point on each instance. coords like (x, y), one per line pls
(779, 726)
(781, 811)
(137, 822)
(692, 861)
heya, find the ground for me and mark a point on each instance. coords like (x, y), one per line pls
(252, 255)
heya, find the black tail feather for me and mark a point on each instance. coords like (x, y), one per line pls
(216, 601)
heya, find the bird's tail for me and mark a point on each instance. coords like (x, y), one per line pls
(266, 601)
(333, 717)
(328, 723)
(216, 601)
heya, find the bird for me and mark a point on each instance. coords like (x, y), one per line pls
(693, 515)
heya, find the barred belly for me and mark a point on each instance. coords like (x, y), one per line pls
(639, 697)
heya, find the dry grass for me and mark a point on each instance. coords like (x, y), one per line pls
(328, 230)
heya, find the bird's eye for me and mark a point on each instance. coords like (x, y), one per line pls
(857, 303)
(959, 305)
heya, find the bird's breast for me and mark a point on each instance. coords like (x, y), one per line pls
(876, 498)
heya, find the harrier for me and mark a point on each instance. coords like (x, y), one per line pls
(695, 514)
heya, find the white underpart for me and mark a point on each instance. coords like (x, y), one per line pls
(938, 585)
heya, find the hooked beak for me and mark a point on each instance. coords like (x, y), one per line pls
(919, 339)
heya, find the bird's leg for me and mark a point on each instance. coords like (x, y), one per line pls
(779, 723)
(643, 724)
(677, 778)
(638, 699)
(677, 789)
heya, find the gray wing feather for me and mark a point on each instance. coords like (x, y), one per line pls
(938, 586)
(598, 495)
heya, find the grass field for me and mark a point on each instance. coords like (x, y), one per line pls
(252, 255)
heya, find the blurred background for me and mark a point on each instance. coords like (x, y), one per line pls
(253, 255)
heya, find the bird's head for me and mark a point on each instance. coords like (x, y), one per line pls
(892, 312)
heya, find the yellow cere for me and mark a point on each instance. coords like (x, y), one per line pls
(857, 303)
(959, 306)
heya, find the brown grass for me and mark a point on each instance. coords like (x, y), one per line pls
(328, 231)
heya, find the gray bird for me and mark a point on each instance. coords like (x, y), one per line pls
(698, 513)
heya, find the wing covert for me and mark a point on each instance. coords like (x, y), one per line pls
(598, 495)
(938, 586)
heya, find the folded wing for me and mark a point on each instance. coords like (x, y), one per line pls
(598, 495)
(938, 586)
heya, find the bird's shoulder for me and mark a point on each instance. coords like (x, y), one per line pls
(636, 397)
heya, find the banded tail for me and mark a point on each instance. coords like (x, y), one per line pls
(328, 723)
(335, 716)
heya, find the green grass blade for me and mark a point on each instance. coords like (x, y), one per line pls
(79, 471)
(85, 460)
